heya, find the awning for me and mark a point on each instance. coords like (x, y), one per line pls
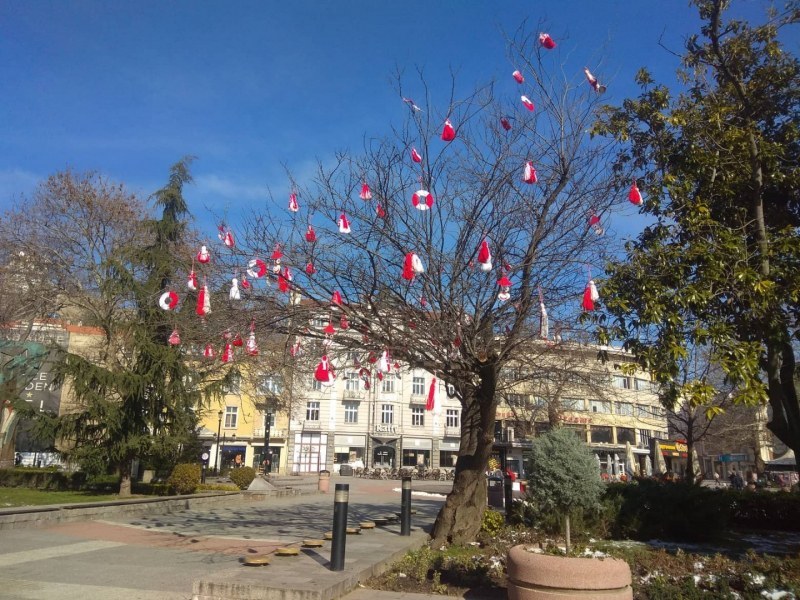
(787, 461)
(357, 441)
(384, 441)
(417, 443)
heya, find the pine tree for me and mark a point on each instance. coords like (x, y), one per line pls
(564, 475)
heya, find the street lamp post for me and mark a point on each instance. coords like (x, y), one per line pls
(219, 430)
(267, 453)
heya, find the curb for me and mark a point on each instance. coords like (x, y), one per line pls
(41, 516)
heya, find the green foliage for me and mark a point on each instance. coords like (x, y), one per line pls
(718, 268)
(217, 487)
(152, 489)
(242, 476)
(672, 511)
(42, 479)
(492, 522)
(563, 474)
(185, 478)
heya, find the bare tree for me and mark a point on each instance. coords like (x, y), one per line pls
(443, 201)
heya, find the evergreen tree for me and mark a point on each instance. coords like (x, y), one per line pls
(718, 270)
(136, 395)
(564, 475)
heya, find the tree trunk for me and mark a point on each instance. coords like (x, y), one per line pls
(125, 478)
(783, 397)
(567, 532)
(460, 518)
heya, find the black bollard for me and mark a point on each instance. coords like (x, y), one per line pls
(340, 499)
(508, 488)
(405, 508)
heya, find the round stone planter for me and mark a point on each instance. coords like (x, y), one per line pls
(533, 576)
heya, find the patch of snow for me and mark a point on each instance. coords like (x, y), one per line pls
(649, 576)
(777, 594)
(422, 494)
(698, 566)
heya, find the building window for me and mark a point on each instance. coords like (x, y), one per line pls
(387, 414)
(624, 409)
(451, 418)
(418, 416)
(270, 419)
(231, 416)
(352, 381)
(388, 385)
(644, 438)
(646, 412)
(578, 430)
(518, 400)
(573, 404)
(312, 410)
(319, 322)
(600, 435)
(642, 385)
(626, 434)
(418, 386)
(600, 406)
(350, 412)
(270, 385)
(621, 382)
(451, 390)
(316, 385)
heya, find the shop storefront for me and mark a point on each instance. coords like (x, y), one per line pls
(448, 453)
(417, 452)
(348, 449)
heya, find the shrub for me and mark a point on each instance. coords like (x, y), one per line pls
(217, 487)
(185, 478)
(493, 522)
(151, 489)
(242, 477)
(42, 479)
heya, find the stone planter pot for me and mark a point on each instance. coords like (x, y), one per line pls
(533, 576)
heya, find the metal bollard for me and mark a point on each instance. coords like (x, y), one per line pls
(508, 488)
(405, 508)
(340, 499)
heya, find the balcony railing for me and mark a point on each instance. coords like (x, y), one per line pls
(452, 431)
(273, 433)
(354, 395)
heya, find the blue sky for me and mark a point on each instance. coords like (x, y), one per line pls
(127, 88)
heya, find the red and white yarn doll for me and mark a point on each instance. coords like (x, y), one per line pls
(544, 323)
(238, 341)
(448, 133)
(203, 301)
(204, 256)
(505, 124)
(343, 323)
(209, 352)
(422, 200)
(191, 281)
(380, 212)
(276, 257)
(383, 363)
(243, 283)
(432, 391)
(546, 41)
(530, 175)
(294, 350)
(415, 156)
(593, 82)
(324, 372)
(366, 193)
(527, 103)
(174, 338)
(344, 224)
(283, 280)
(412, 266)
(311, 235)
(329, 328)
(225, 236)
(505, 288)
(590, 296)
(227, 353)
(336, 299)
(634, 195)
(234, 293)
(485, 257)
(594, 223)
(310, 270)
(168, 300)
(256, 268)
(293, 205)
(518, 77)
(252, 346)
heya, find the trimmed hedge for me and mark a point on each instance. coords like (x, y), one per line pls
(185, 478)
(42, 479)
(242, 476)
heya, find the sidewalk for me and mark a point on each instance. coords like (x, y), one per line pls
(198, 553)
